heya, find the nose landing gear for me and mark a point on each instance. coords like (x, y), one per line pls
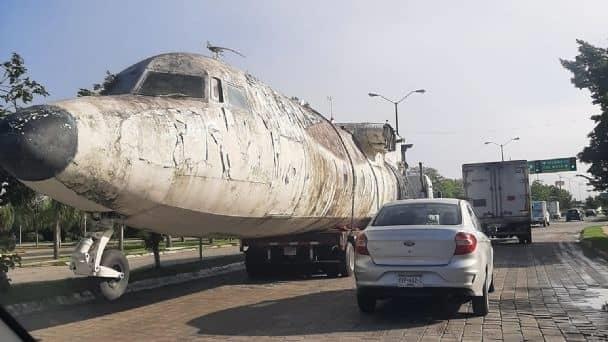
(91, 259)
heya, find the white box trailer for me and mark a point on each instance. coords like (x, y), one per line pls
(540, 213)
(553, 207)
(500, 195)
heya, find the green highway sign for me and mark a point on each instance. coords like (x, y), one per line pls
(552, 165)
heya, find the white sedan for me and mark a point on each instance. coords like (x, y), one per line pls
(424, 247)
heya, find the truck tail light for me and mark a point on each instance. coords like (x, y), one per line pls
(361, 245)
(465, 243)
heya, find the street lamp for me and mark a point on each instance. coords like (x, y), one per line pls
(502, 155)
(396, 103)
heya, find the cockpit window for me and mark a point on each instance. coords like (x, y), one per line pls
(125, 81)
(236, 96)
(165, 84)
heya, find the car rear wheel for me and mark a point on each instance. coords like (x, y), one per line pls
(367, 304)
(481, 304)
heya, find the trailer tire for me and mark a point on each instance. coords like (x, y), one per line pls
(254, 269)
(346, 267)
(112, 289)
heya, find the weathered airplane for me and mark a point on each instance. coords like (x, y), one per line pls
(187, 145)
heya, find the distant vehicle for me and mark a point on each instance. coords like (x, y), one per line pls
(424, 247)
(553, 207)
(574, 214)
(500, 195)
(590, 212)
(540, 214)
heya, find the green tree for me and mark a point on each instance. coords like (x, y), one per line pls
(590, 70)
(543, 192)
(99, 89)
(16, 89)
(448, 187)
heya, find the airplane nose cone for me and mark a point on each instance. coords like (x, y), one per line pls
(38, 142)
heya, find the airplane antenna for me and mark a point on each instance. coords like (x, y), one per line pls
(218, 51)
(331, 109)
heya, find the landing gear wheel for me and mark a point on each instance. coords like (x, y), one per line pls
(346, 267)
(481, 304)
(114, 288)
(367, 304)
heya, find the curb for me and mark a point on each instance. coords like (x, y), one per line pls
(175, 251)
(20, 309)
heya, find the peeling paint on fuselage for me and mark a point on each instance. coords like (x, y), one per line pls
(192, 167)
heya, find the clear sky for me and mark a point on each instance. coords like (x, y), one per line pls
(491, 68)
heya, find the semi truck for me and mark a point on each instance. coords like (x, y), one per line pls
(553, 207)
(500, 195)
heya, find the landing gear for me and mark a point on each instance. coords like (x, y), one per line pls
(90, 258)
(112, 288)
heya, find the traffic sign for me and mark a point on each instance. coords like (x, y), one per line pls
(552, 165)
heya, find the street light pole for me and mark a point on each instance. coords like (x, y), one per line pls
(502, 154)
(396, 104)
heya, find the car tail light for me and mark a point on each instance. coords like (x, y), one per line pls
(361, 245)
(465, 243)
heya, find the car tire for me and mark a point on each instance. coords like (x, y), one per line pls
(366, 303)
(544, 223)
(491, 289)
(481, 304)
(114, 288)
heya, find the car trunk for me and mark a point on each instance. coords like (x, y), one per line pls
(411, 245)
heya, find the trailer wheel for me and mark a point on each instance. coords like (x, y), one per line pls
(114, 288)
(346, 267)
(254, 269)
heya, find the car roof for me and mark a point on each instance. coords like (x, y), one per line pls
(425, 200)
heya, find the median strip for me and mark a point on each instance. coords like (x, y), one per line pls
(595, 238)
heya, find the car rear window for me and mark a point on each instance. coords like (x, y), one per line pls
(419, 214)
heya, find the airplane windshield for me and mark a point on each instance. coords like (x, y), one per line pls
(165, 84)
(125, 81)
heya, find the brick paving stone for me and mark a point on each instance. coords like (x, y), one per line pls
(541, 295)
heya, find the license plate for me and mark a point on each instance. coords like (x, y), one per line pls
(290, 251)
(408, 280)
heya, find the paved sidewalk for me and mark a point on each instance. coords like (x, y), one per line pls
(46, 273)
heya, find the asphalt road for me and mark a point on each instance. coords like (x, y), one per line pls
(545, 291)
